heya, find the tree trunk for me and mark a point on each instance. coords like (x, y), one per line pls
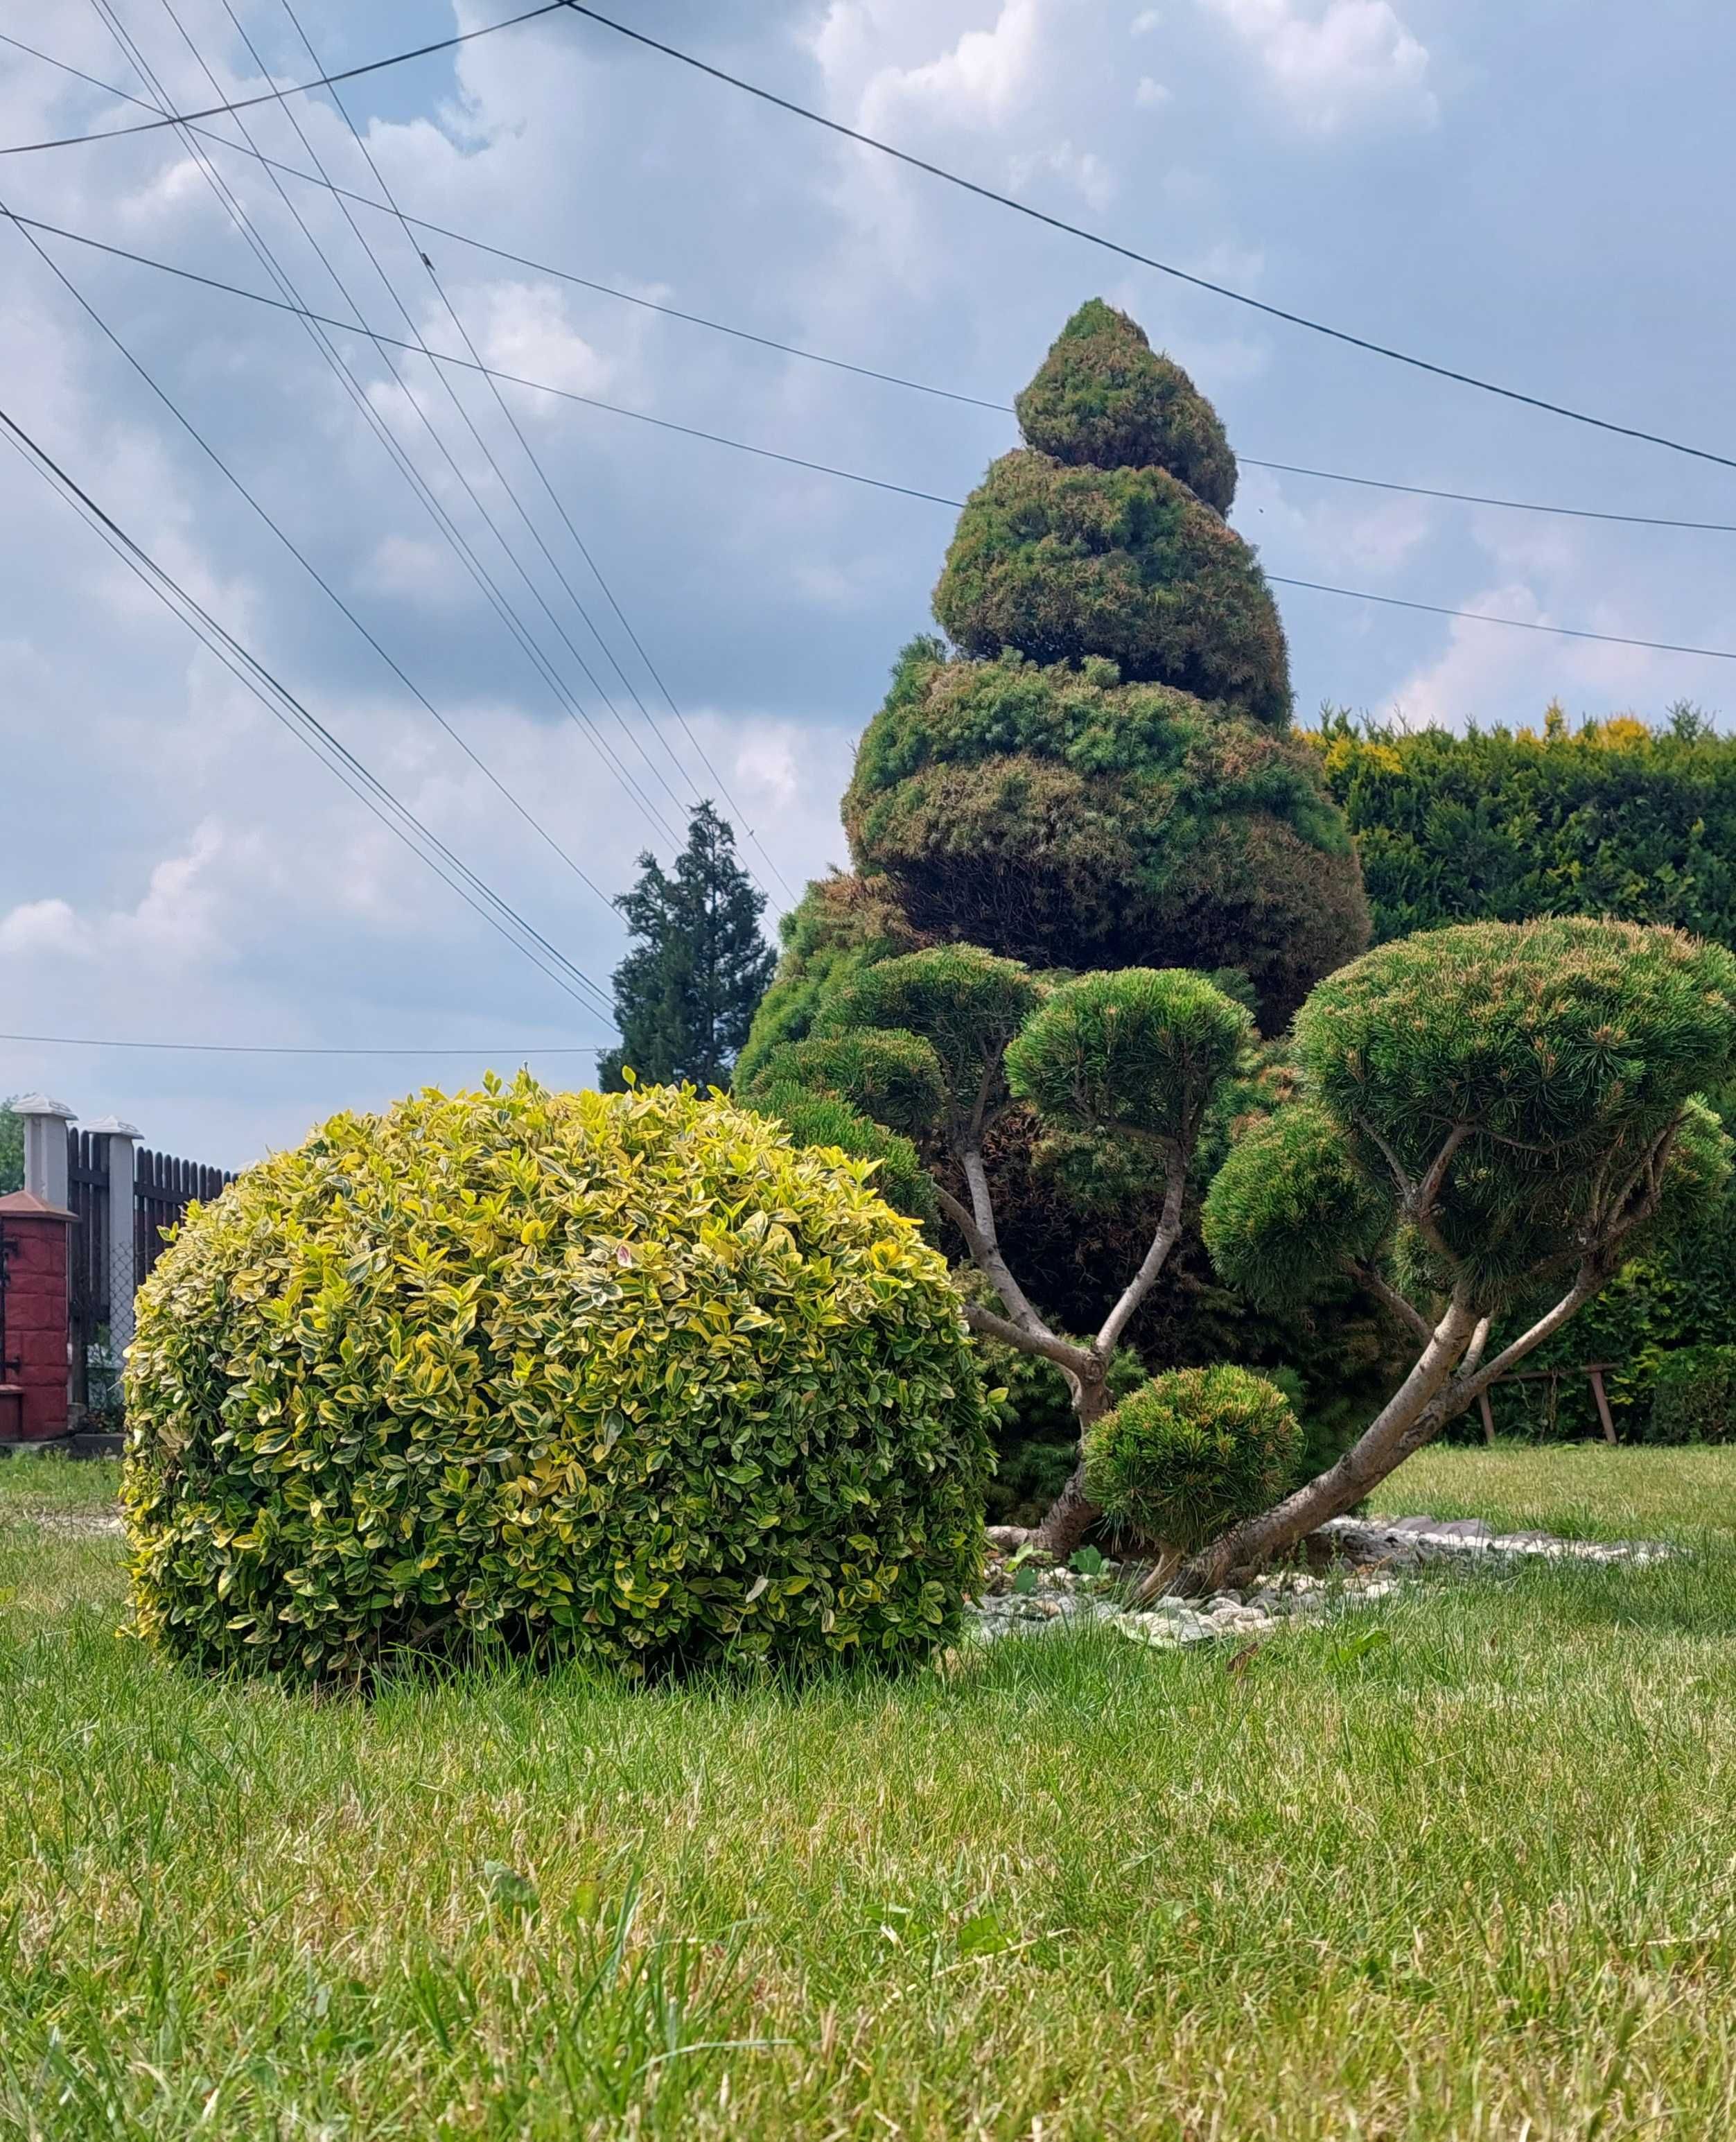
(1388, 1441)
(1073, 1513)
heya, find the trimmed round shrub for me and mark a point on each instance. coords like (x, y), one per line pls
(892, 1076)
(625, 1377)
(1558, 1052)
(1193, 1453)
(1104, 399)
(966, 1002)
(1059, 563)
(1289, 1206)
(1137, 1053)
(1693, 1396)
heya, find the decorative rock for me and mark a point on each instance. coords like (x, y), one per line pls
(1373, 1560)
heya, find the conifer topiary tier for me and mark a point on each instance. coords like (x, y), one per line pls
(1102, 774)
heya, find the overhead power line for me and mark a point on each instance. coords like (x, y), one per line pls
(855, 475)
(426, 496)
(466, 364)
(1143, 260)
(294, 89)
(934, 498)
(518, 1051)
(536, 461)
(849, 366)
(309, 731)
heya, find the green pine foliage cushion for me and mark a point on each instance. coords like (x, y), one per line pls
(1193, 1453)
(627, 1377)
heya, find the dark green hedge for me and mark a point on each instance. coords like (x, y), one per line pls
(1613, 818)
(1693, 1397)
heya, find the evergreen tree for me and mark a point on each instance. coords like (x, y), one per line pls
(685, 994)
(11, 1150)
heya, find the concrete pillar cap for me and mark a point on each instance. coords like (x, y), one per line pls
(112, 1127)
(39, 1104)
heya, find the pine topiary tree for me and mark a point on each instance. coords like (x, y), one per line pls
(685, 995)
(1494, 1118)
(1120, 1068)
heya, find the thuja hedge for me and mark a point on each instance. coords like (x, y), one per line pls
(1612, 818)
(623, 1377)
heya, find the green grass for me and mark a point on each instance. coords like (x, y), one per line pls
(1579, 1490)
(1460, 1868)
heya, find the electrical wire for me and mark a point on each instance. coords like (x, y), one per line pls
(470, 364)
(530, 451)
(929, 497)
(847, 365)
(518, 1051)
(317, 576)
(276, 698)
(504, 608)
(295, 89)
(1143, 260)
(464, 415)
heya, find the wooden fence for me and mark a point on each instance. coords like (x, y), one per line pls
(162, 1189)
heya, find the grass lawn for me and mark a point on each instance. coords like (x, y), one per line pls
(1463, 1866)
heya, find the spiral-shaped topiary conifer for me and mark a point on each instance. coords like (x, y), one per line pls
(1108, 778)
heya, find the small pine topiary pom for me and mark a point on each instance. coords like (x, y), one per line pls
(1193, 1453)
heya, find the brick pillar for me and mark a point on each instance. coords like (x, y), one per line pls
(34, 1386)
(122, 1280)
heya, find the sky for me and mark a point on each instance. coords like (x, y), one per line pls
(1540, 195)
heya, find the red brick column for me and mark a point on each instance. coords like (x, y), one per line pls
(33, 1385)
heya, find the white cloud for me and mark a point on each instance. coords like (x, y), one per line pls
(1332, 65)
(1145, 21)
(986, 77)
(524, 329)
(39, 928)
(1082, 169)
(1149, 94)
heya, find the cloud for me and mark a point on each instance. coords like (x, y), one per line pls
(988, 76)
(1353, 60)
(1149, 94)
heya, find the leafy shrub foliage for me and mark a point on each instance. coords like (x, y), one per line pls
(627, 1377)
(1059, 563)
(1191, 1453)
(1104, 399)
(1693, 1396)
(1611, 819)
